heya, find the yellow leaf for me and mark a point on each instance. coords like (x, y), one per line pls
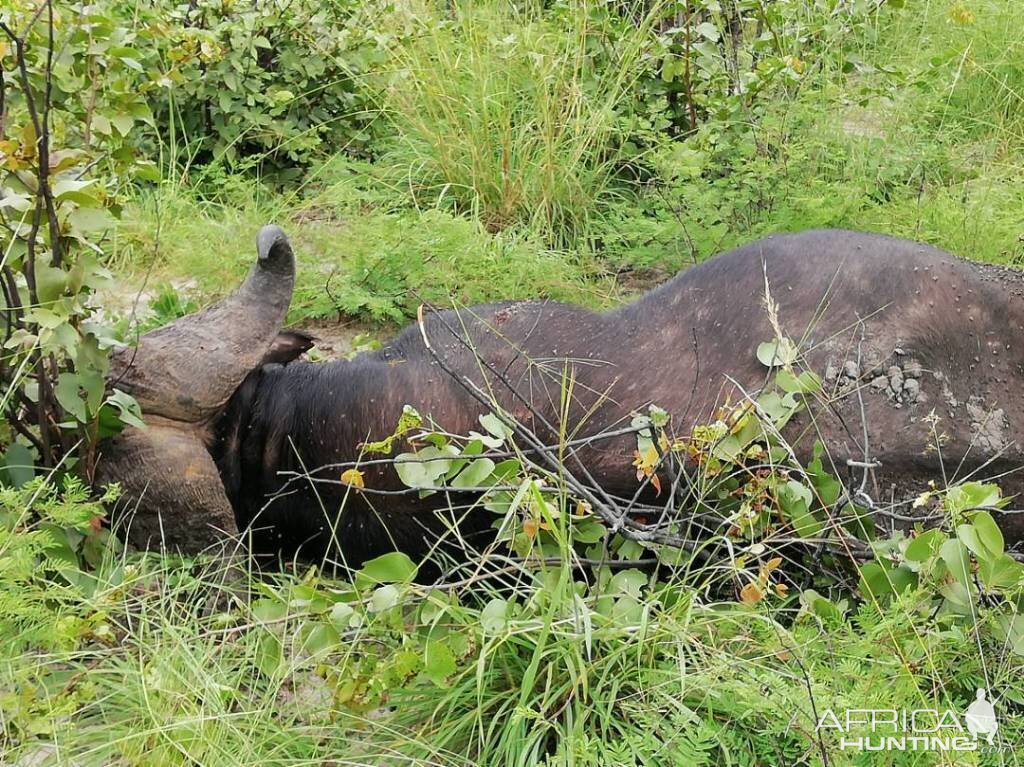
(530, 528)
(752, 593)
(960, 14)
(28, 140)
(645, 463)
(781, 589)
(773, 563)
(353, 477)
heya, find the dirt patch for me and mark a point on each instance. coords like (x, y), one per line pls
(899, 382)
(133, 298)
(641, 279)
(337, 340)
(988, 427)
(866, 122)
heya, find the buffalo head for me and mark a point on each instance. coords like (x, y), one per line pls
(182, 375)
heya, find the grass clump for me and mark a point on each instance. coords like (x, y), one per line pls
(509, 113)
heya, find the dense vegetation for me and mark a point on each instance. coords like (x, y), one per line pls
(463, 152)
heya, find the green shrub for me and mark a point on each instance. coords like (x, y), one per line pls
(64, 73)
(271, 83)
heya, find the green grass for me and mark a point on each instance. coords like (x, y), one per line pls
(359, 254)
(510, 113)
(164, 662)
(491, 188)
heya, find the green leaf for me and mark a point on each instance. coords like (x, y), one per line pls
(588, 530)
(423, 469)
(795, 500)
(101, 125)
(627, 609)
(806, 383)
(394, 567)
(18, 464)
(708, 30)
(438, 662)
(957, 560)
(925, 546)
(882, 582)
(989, 534)
(128, 409)
(807, 524)
(971, 495)
(475, 474)
(269, 610)
(321, 639)
(968, 535)
(1010, 630)
(1001, 573)
(958, 597)
(384, 598)
(778, 409)
(778, 352)
(341, 615)
(628, 582)
(68, 395)
(88, 220)
(123, 123)
(50, 282)
(819, 605)
(269, 653)
(494, 616)
(495, 426)
(74, 190)
(659, 416)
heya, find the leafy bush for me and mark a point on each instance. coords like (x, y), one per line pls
(56, 208)
(50, 539)
(258, 83)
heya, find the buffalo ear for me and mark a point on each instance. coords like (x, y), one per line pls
(287, 346)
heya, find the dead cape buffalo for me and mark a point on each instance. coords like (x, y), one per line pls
(899, 329)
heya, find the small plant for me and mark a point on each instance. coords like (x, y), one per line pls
(264, 85)
(168, 305)
(53, 214)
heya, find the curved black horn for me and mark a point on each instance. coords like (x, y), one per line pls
(187, 370)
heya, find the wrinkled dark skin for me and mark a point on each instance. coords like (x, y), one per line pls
(846, 297)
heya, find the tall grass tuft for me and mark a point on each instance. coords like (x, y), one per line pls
(511, 115)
